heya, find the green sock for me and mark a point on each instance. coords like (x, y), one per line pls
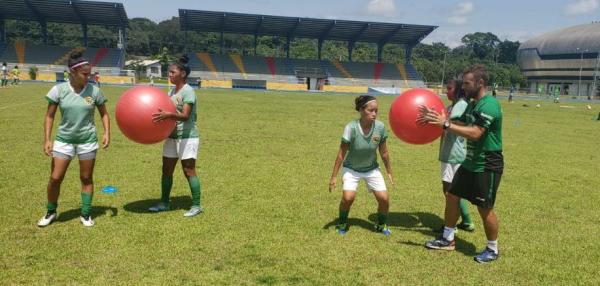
(343, 217)
(195, 188)
(86, 203)
(51, 207)
(381, 218)
(166, 183)
(464, 212)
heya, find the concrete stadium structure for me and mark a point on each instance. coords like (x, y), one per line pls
(565, 61)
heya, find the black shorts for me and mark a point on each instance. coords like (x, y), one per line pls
(479, 188)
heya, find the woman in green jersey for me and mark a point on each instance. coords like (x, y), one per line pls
(183, 143)
(76, 135)
(358, 153)
(453, 149)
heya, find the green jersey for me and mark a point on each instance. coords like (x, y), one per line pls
(362, 153)
(452, 146)
(185, 129)
(484, 154)
(77, 112)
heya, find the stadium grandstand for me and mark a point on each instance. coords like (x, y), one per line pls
(234, 70)
(563, 62)
(51, 59)
(224, 70)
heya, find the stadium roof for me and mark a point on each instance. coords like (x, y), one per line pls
(298, 27)
(65, 11)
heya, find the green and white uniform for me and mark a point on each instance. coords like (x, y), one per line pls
(452, 146)
(478, 178)
(76, 131)
(184, 140)
(361, 159)
(183, 144)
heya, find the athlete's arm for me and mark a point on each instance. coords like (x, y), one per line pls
(48, 121)
(105, 124)
(430, 116)
(183, 116)
(338, 163)
(385, 157)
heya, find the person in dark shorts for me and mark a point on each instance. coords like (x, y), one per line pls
(478, 178)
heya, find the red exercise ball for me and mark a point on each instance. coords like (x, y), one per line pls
(134, 114)
(404, 112)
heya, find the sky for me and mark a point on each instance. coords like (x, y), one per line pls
(515, 20)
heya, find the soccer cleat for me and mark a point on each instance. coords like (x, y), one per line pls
(160, 207)
(341, 228)
(383, 229)
(194, 210)
(486, 256)
(441, 244)
(47, 219)
(87, 220)
(466, 226)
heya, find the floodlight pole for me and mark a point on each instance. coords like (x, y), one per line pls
(443, 69)
(2, 30)
(594, 86)
(580, 70)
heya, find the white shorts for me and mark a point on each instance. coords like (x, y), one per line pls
(373, 178)
(86, 151)
(181, 148)
(448, 170)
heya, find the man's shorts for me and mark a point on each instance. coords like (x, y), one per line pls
(373, 178)
(86, 151)
(479, 188)
(181, 149)
(448, 170)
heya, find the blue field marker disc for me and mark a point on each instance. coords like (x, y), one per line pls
(109, 190)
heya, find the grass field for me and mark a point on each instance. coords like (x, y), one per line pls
(264, 162)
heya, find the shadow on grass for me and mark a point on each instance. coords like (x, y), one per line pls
(368, 225)
(425, 223)
(421, 222)
(96, 211)
(177, 203)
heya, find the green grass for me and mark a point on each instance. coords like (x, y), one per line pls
(264, 162)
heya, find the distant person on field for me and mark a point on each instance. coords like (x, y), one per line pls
(15, 75)
(4, 75)
(511, 92)
(97, 78)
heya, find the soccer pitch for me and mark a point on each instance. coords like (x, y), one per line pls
(265, 162)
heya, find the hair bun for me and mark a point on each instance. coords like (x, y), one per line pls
(75, 55)
(184, 60)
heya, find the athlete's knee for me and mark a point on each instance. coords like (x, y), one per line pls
(86, 179)
(56, 180)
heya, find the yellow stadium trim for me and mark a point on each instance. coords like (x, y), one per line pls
(207, 61)
(342, 69)
(402, 69)
(237, 60)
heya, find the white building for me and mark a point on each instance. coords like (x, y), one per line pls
(151, 67)
(565, 61)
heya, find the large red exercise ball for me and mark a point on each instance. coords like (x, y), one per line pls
(134, 114)
(404, 112)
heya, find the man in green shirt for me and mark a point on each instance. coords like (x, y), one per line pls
(478, 178)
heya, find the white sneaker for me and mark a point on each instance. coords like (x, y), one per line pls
(160, 207)
(87, 221)
(47, 219)
(195, 210)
